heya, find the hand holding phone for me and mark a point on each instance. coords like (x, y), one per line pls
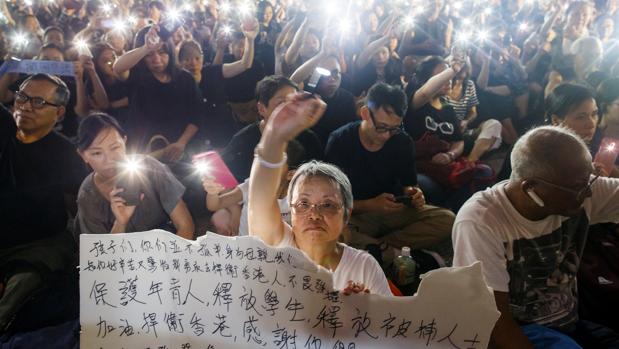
(607, 154)
(210, 164)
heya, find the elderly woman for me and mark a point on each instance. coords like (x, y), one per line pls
(320, 196)
(102, 208)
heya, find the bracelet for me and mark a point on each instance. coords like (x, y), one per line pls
(267, 164)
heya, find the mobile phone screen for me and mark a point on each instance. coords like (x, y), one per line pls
(607, 154)
(212, 165)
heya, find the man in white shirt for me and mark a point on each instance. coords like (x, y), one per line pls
(530, 231)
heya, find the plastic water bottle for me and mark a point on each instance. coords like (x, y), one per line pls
(405, 271)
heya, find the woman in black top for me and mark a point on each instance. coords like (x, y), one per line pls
(164, 100)
(218, 122)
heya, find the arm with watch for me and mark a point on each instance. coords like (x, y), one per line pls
(454, 152)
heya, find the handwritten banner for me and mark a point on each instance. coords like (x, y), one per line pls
(30, 67)
(156, 290)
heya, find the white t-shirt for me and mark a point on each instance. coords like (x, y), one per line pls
(356, 265)
(535, 261)
(284, 208)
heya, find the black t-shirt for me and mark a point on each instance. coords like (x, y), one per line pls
(427, 119)
(340, 111)
(239, 154)
(372, 173)
(217, 122)
(34, 179)
(161, 108)
(242, 88)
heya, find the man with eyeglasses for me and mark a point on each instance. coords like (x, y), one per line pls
(530, 232)
(340, 102)
(40, 174)
(379, 159)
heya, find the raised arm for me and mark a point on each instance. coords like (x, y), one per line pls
(293, 51)
(426, 92)
(250, 30)
(127, 61)
(366, 55)
(287, 121)
(305, 70)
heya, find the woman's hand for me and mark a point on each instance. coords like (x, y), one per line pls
(152, 42)
(121, 211)
(294, 116)
(600, 169)
(353, 287)
(442, 159)
(211, 186)
(250, 28)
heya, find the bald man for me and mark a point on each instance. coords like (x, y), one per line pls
(530, 231)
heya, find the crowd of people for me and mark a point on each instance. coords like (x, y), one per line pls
(467, 130)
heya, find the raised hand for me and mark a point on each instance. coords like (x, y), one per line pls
(292, 117)
(250, 28)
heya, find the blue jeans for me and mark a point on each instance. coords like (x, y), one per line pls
(546, 338)
(453, 199)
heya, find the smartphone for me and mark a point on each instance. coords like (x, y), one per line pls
(317, 74)
(168, 27)
(404, 199)
(607, 154)
(211, 164)
(130, 182)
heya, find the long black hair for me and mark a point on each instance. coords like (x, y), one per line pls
(168, 46)
(92, 125)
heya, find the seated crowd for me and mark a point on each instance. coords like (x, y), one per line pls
(486, 137)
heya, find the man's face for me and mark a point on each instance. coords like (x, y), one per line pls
(51, 54)
(564, 195)
(384, 123)
(280, 97)
(29, 119)
(328, 85)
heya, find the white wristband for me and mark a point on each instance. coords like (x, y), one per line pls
(267, 164)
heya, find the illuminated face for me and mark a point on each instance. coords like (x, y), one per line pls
(105, 62)
(192, 61)
(583, 119)
(158, 61)
(328, 85)
(578, 20)
(313, 226)
(105, 152)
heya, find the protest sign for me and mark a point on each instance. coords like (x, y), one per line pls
(156, 290)
(30, 67)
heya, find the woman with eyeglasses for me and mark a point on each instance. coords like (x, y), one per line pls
(321, 200)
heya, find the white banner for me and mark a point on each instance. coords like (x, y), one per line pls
(156, 290)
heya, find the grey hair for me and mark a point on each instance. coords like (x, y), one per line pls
(61, 95)
(331, 172)
(538, 152)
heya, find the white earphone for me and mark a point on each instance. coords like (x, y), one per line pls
(533, 195)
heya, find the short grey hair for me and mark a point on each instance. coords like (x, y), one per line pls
(331, 172)
(538, 152)
(61, 95)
